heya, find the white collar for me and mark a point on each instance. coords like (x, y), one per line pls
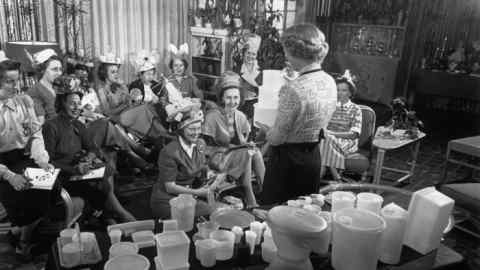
(188, 148)
(346, 105)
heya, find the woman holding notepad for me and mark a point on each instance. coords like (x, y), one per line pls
(22, 146)
(76, 153)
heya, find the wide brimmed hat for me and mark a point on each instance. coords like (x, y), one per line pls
(41, 56)
(144, 61)
(228, 80)
(109, 58)
(3, 56)
(193, 115)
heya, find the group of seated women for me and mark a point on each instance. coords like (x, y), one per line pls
(63, 122)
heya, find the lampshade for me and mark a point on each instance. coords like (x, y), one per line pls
(16, 50)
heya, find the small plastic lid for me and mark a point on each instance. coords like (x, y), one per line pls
(128, 262)
(123, 248)
(295, 220)
(172, 238)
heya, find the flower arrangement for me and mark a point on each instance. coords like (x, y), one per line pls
(403, 118)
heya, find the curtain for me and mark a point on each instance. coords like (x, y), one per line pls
(127, 26)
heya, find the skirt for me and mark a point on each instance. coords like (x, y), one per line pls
(293, 170)
(333, 151)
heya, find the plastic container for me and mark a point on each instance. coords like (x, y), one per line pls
(392, 238)
(268, 252)
(123, 248)
(115, 236)
(142, 236)
(67, 235)
(173, 248)
(71, 254)
(127, 262)
(428, 214)
(205, 228)
(369, 201)
(225, 243)
(342, 199)
(159, 265)
(205, 252)
(356, 239)
(170, 225)
(182, 209)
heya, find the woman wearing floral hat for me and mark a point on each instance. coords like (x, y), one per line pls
(182, 167)
(148, 87)
(113, 95)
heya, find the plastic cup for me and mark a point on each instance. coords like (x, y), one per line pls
(66, 235)
(369, 201)
(356, 239)
(88, 242)
(225, 243)
(71, 254)
(238, 231)
(182, 209)
(205, 251)
(251, 238)
(205, 228)
(342, 199)
(257, 227)
(115, 236)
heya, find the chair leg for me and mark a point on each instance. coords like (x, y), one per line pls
(445, 167)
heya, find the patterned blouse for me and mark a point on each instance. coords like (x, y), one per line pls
(346, 118)
(306, 105)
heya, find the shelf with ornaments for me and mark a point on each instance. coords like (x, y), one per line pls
(365, 39)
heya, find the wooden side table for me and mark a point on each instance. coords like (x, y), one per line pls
(396, 140)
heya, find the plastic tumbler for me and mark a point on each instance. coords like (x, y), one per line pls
(115, 236)
(206, 252)
(342, 199)
(182, 209)
(369, 201)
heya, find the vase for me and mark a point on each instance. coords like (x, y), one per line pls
(208, 25)
(237, 22)
(198, 21)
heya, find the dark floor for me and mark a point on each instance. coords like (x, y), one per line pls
(428, 171)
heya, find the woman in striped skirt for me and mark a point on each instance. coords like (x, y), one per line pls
(343, 130)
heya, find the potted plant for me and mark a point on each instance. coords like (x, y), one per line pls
(270, 54)
(403, 118)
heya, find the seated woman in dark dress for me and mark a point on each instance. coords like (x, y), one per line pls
(67, 139)
(22, 146)
(182, 167)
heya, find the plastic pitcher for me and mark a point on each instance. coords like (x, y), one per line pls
(182, 209)
(356, 239)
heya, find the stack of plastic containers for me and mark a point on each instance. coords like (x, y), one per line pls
(172, 250)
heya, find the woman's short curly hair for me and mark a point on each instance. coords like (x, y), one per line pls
(184, 61)
(305, 41)
(40, 68)
(102, 71)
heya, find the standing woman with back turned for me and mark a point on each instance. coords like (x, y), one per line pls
(305, 107)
